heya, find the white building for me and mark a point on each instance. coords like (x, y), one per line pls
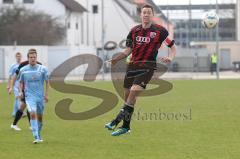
(83, 18)
(69, 13)
(83, 22)
(238, 20)
(117, 22)
(119, 17)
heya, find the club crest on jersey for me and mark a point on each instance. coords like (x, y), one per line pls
(153, 35)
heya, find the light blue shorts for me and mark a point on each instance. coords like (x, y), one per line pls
(35, 105)
(16, 92)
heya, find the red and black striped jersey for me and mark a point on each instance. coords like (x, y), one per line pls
(145, 43)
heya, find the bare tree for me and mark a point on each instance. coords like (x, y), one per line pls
(28, 27)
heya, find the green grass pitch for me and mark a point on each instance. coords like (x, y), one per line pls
(210, 131)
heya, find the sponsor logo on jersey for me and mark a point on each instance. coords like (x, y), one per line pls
(141, 39)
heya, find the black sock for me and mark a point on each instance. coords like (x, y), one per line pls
(28, 115)
(127, 116)
(119, 117)
(18, 116)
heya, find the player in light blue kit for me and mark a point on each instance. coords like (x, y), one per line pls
(32, 78)
(12, 70)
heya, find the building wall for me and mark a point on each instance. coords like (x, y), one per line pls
(117, 23)
(130, 6)
(92, 25)
(187, 30)
(74, 33)
(74, 36)
(74, 29)
(233, 47)
(238, 20)
(2, 65)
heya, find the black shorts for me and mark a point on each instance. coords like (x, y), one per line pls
(136, 75)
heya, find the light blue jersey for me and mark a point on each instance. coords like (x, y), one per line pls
(12, 71)
(33, 78)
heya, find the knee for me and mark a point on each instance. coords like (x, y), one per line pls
(22, 106)
(136, 88)
(33, 115)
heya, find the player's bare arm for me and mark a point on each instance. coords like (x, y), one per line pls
(12, 81)
(121, 56)
(46, 91)
(171, 55)
(20, 89)
(9, 81)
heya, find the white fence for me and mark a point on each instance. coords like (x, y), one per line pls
(50, 56)
(187, 60)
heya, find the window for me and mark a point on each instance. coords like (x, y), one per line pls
(138, 10)
(8, 1)
(95, 9)
(28, 1)
(76, 26)
(68, 25)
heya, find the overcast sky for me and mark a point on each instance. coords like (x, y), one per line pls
(171, 2)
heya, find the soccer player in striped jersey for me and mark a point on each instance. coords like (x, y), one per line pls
(143, 42)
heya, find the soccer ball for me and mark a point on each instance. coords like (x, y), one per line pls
(210, 20)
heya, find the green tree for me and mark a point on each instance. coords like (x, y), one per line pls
(28, 27)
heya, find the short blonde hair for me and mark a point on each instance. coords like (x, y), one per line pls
(18, 54)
